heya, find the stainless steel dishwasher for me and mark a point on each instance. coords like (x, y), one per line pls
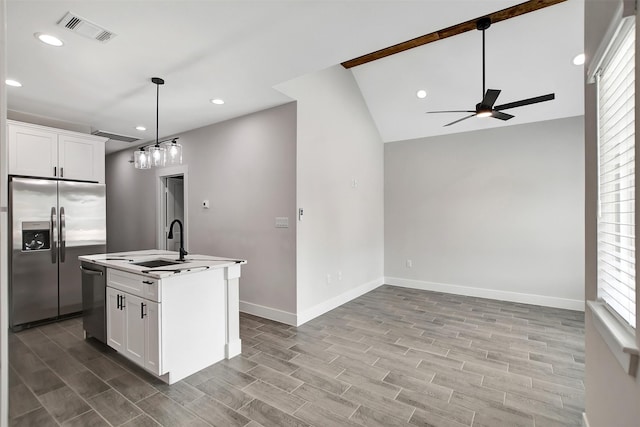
(94, 288)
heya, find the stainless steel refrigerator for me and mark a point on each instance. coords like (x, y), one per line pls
(52, 223)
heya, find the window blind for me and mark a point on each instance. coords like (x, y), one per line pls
(616, 144)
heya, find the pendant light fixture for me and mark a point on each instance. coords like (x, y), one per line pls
(173, 152)
(160, 153)
(157, 152)
(141, 159)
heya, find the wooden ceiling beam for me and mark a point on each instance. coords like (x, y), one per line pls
(501, 15)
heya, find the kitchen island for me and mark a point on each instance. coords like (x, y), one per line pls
(171, 317)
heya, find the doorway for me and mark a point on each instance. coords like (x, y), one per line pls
(172, 203)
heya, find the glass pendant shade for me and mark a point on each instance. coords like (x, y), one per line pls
(141, 159)
(174, 153)
(157, 155)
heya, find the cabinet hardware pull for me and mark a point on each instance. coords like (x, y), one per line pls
(122, 303)
(142, 313)
(55, 171)
(61, 172)
(147, 282)
(118, 302)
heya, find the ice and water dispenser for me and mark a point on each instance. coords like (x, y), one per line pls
(36, 236)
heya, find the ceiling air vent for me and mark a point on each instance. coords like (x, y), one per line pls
(114, 136)
(85, 28)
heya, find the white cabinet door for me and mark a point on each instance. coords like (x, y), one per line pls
(135, 330)
(153, 344)
(80, 158)
(116, 322)
(32, 151)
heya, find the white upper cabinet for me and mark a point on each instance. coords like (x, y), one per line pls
(54, 153)
(32, 151)
(80, 158)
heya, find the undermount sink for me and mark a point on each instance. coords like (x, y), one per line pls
(156, 263)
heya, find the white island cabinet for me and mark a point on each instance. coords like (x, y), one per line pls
(171, 320)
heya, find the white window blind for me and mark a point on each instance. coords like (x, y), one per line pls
(616, 222)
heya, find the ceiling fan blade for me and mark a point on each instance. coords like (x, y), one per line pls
(490, 97)
(500, 115)
(459, 120)
(528, 101)
(451, 111)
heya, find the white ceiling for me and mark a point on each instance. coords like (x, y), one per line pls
(527, 56)
(239, 50)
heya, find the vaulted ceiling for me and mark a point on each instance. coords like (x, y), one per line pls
(239, 50)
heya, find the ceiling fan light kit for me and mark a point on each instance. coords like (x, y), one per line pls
(486, 108)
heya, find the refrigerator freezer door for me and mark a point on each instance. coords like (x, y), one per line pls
(82, 220)
(34, 270)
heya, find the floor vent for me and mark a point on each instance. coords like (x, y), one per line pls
(115, 136)
(85, 28)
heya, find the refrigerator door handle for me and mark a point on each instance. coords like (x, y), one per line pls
(54, 248)
(63, 237)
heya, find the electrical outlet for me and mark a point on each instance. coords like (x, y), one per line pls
(409, 263)
(339, 275)
(328, 278)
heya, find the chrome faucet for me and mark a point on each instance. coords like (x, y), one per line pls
(170, 236)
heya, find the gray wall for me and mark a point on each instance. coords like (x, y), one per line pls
(340, 238)
(131, 205)
(612, 396)
(496, 213)
(246, 168)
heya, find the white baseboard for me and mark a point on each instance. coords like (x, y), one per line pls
(337, 301)
(496, 294)
(585, 421)
(268, 313)
(310, 313)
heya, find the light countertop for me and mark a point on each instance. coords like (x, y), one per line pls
(125, 261)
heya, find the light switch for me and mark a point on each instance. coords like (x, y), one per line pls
(282, 222)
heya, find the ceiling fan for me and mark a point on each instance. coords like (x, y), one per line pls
(486, 107)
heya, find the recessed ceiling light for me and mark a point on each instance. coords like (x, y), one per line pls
(141, 128)
(13, 83)
(421, 93)
(579, 59)
(48, 39)
(217, 101)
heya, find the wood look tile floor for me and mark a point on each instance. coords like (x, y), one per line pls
(392, 357)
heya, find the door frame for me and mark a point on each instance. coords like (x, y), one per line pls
(160, 208)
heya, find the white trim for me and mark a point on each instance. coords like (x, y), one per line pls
(623, 17)
(4, 312)
(233, 349)
(312, 312)
(585, 421)
(570, 304)
(619, 338)
(268, 313)
(337, 301)
(163, 173)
